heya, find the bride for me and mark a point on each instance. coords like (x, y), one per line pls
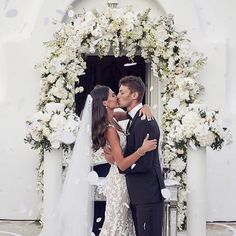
(73, 215)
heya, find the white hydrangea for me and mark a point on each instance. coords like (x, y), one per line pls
(178, 165)
(57, 121)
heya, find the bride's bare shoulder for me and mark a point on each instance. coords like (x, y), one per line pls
(112, 132)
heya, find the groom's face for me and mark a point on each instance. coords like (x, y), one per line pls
(124, 96)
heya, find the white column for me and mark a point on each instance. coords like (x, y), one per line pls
(196, 192)
(52, 180)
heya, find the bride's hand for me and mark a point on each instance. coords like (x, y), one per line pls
(146, 111)
(148, 145)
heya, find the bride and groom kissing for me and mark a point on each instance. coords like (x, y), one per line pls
(134, 202)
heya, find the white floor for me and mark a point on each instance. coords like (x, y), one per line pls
(31, 228)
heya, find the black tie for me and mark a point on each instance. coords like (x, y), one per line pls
(129, 123)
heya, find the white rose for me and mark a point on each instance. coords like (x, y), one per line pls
(71, 125)
(46, 117)
(57, 122)
(55, 136)
(46, 132)
(36, 135)
(178, 165)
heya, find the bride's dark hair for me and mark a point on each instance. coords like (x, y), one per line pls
(99, 116)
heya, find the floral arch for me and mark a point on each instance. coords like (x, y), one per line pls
(122, 32)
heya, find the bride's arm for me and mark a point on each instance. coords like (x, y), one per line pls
(107, 154)
(145, 110)
(120, 115)
(124, 163)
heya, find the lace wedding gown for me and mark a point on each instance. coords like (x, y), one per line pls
(118, 217)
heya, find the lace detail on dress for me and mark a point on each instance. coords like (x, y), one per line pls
(118, 218)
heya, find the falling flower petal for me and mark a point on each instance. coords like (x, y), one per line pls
(125, 204)
(165, 192)
(132, 167)
(60, 12)
(192, 145)
(93, 178)
(151, 88)
(144, 226)
(154, 107)
(77, 23)
(58, 26)
(46, 20)
(6, 4)
(143, 117)
(22, 208)
(98, 219)
(30, 213)
(130, 64)
(71, 13)
(11, 13)
(226, 123)
(57, 64)
(95, 42)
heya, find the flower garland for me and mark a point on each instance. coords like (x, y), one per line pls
(121, 31)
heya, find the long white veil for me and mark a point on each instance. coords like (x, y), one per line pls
(73, 215)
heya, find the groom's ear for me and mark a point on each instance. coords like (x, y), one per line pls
(134, 95)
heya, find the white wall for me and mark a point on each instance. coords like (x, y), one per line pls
(21, 47)
(210, 25)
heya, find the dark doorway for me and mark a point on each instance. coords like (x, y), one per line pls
(107, 71)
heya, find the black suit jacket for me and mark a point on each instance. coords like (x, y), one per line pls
(145, 180)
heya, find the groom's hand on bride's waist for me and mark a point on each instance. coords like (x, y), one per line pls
(108, 154)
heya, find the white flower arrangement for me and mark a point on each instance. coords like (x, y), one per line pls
(53, 127)
(199, 127)
(121, 31)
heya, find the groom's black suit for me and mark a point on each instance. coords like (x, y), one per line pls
(145, 179)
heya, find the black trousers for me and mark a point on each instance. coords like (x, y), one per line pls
(148, 218)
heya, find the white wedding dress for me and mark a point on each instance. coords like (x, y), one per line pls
(73, 214)
(118, 217)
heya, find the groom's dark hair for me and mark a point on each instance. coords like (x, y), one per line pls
(135, 84)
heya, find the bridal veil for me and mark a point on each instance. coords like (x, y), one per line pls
(73, 215)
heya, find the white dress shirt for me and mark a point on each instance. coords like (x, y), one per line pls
(133, 111)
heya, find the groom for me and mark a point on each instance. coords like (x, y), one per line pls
(144, 180)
